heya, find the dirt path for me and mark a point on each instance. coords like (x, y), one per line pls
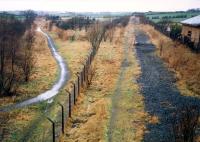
(162, 98)
(118, 90)
(127, 115)
(91, 113)
(112, 108)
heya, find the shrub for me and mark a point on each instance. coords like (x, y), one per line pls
(185, 123)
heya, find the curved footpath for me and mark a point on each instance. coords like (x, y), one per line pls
(63, 78)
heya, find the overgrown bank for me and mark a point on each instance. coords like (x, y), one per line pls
(32, 120)
(180, 59)
(93, 113)
(175, 116)
(127, 112)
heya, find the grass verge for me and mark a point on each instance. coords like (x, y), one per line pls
(127, 111)
(74, 52)
(43, 76)
(179, 59)
(30, 123)
(91, 116)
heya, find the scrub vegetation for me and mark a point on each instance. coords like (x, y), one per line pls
(94, 111)
(180, 59)
(24, 56)
(129, 94)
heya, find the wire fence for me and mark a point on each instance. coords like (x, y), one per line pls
(52, 115)
(194, 46)
(45, 121)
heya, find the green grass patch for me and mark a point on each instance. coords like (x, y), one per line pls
(171, 16)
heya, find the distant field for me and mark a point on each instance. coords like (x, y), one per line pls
(19, 17)
(172, 16)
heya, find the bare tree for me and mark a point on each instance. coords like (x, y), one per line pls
(92, 72)
(10, 32)
(27, 58)
(29, 18)
(95, 34)
(27, 62)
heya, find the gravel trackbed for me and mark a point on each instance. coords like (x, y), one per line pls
(162, 97)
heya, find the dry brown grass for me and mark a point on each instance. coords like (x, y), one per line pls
(41, 80)
(74, 52)
(69, 34)
(44, 73)
(130, 118)
(180, 59)
(94, 106)
(43, 77)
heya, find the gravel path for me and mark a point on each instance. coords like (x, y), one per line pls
(159, 90)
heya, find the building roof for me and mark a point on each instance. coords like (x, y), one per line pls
(194, 21)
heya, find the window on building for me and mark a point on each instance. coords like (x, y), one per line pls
(199, 39)
(189, 34)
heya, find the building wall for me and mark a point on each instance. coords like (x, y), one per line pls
(195, 32)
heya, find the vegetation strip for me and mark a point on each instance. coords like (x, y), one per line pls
(127, 111)
(64, 76)
(163, 99)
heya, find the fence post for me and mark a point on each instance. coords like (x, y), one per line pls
(53, 128)
(63, 121)
(78, 83)
(74, 86)
(82, 77)
(92, 54)
(70, 107)
(84, 72)
(88, 59)
(88, 68)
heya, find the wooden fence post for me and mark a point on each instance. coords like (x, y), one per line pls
(78, 83)
(70, 107)
(74, 87)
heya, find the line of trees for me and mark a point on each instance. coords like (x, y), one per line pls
(95, 34)
(16, 53)
(75, 23)
(110, 27)
(99, 30)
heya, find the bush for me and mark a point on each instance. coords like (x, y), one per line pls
(12, 32)
(184, 123)
(175, 31)
(75, 22)
(180, 59)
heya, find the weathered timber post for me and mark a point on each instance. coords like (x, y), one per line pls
(70, 107)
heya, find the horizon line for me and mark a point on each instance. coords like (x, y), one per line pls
(100, 11)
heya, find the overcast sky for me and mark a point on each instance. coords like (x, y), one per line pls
(99, 5)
